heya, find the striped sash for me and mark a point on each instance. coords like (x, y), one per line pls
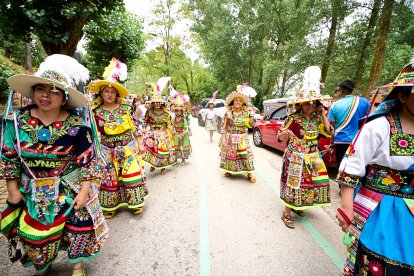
(364, 203)
(351, 112)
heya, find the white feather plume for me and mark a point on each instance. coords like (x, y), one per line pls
(162, 82)
(311, 80)
(65, 65)
(186, 98)
(249, 91)
(173, 92)
(123, 72)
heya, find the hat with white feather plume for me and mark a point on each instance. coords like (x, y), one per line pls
(311, 89)
(243, 92)
(157, 89)
(59, 71)
(115, 72)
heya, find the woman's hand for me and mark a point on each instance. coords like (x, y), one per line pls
(287, 133)
(342, 221)
(80, 201)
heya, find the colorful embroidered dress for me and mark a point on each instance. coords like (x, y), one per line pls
(304, 182)
(181, 140)
(124, 181)
(381, 231)
(236, 155)
(159, 151)
(46, 222)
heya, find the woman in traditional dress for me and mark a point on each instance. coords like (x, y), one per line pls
(236, 156)
(304, 181)
(159, 151)
(121, 144)
(379, 219)
(180, 130)
(51, 180)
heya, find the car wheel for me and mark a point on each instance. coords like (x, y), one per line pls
(200, 121)
(257, 138)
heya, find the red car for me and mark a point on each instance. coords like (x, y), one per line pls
(265, 133)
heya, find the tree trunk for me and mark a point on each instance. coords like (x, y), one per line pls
(28, 59)
(380, 47)
(284, 80)
(367, 42)
(66, 47)
(331, 40)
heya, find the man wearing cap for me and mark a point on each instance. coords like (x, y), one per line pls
(344, 115)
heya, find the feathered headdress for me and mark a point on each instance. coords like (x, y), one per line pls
(213, 97)
(311, 88)
(59, 71)
(244, 92)
(115, 72)
(157, 89)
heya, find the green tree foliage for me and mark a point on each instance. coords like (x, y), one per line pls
(262, 43)
(7, 69)
(188, 77)
(14, 49)
(58, 24)
(117, 34)
(269, 43)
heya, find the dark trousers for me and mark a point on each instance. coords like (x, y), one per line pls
(340, 150)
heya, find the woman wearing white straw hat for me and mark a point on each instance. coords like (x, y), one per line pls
(236, 156)
(50, 172)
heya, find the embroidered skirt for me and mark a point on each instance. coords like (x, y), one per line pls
(159, 152)
(236, 155)
(39, 243)
(301, 185)
(123, 182)
(182, 147)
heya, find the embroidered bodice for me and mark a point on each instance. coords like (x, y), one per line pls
(180, 126)
(305, 131)
(381, 142)
(116, 127)
(236, 123)
(53, 150)
(154, 120)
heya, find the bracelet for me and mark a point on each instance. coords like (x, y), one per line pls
(344, 215)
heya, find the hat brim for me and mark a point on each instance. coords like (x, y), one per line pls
(157, 100)
(23, 84)
(95, 87)
(309, 99)
(234, 95)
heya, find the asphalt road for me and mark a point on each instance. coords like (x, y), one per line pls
(198, 222)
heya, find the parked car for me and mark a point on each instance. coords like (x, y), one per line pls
(200, 105)
(265, 133)
(272, 104)
(219, 107)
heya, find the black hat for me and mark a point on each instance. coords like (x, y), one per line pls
(347, 84)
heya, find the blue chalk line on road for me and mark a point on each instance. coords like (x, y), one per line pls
(322, 242)
(204, 243)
